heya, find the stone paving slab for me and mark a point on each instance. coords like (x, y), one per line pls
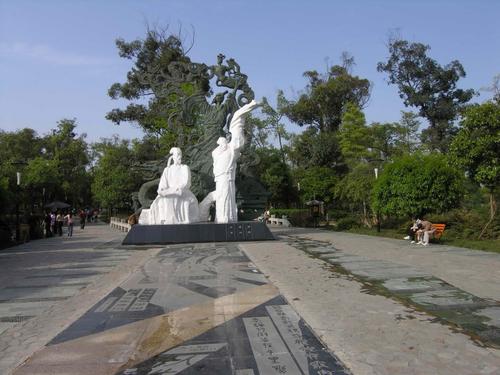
(35, 306)
(473, 271)
(188, 308)
(412, 285)
(492, 313)
(370, 333)
(208, 308)
(447, 303)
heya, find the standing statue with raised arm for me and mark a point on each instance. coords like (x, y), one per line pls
(225, 157)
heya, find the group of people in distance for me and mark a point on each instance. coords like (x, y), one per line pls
(55, 221)
(420, 232)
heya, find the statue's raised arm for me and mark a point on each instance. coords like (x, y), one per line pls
(236, 127)
(225, 157)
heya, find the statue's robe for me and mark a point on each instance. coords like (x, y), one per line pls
(175, 203)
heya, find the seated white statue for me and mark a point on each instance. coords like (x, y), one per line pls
(175, 203)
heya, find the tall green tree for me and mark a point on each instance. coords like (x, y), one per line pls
(416, 185)
(312, 148)
(276, 177)
(476, 148)
(16, 150)
(326, 96)
(354, 135)
(409, 129)
(68, 151)
(316, 183)
(52, 167)
(114, 178)
(376, 143)
(273, 121)
(386, 140)
(427, 86)
(354, 190)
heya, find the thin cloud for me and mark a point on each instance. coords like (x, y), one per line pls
(46, 54)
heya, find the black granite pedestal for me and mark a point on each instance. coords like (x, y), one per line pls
(197, 232)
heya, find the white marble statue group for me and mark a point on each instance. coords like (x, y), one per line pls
(176, 204)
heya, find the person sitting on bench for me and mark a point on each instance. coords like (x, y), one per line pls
(412, 232)
(423, 234)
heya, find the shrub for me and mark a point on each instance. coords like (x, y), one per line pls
(415, 185)
(347, 223)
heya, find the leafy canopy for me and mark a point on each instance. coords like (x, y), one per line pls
(476, 148)
(55, 163)
(416, 185)
(114, 177)
(428, 86)
(326, 96)
(316, 183)
(317, 149)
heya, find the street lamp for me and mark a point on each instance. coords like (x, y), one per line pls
(18, 186)
(375, 170)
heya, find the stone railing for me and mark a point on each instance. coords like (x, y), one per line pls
(120, 224)
(283, 221)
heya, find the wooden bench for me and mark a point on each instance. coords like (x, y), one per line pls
(438, 230)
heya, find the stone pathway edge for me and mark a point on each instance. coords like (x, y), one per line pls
(20, 342)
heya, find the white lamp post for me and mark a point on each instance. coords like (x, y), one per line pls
(18, 184)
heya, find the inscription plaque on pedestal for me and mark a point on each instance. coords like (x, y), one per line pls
(197, 232)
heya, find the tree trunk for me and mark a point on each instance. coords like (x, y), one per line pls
(493, 210)
(281, 148)
(366, 220)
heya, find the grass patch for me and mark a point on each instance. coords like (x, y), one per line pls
(484, 245)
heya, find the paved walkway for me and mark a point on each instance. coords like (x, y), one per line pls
(89, 305)
(387, 307)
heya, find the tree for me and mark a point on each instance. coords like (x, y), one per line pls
(68, 151)
(316, 183)
(428, 86)
(114, 178)
(476, 148)
(386, 140)
(43, 174)
(416, 185)
(355, 189)
(273, 120)
(16, 150)
(317, 149)
(354, 135)
(326, 96)
(409, 126)
(495, 89)
(276, 177)
(376, 143)
(159, 78)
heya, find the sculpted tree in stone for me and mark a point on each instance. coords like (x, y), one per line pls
(182, 105)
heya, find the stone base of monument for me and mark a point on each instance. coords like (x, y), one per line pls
(197, 232)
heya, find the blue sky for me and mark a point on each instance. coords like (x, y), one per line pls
(58, 58)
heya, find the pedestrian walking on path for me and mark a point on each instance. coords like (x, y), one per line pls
(47, 221)
(83, 216)
(59, 223)
(53, 223)
(69, 220)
